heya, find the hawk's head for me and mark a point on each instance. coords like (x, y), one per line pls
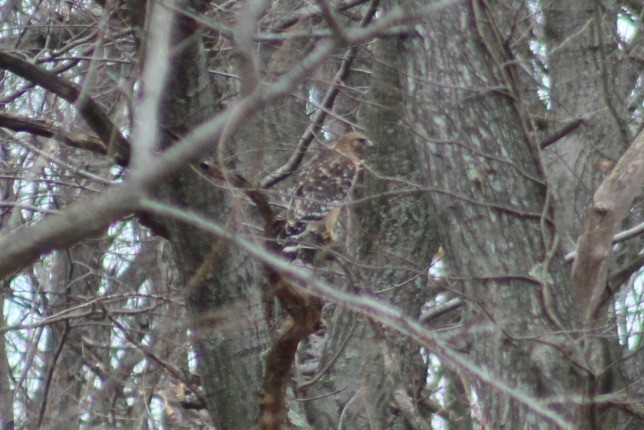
(352, 143)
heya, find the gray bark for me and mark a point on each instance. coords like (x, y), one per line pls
(453, 110)
(488, 187)
(391, 246)
(221, 283)
(589, 80)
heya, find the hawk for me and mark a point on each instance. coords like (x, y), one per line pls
(322, 186)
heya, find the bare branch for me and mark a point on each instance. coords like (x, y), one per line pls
(84, 219)
(626, 271)
(440, 310)
(329, 16)
(25, 207)
(565, 130)
(154, 357)
(619, 237)
(157, 62)
(88, 108)
(65, 165)
(292, 20)
(379, 311)
(609, 207)
(43, 128)
(78, 312)
(50, 371)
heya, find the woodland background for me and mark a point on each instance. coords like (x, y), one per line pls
(149, 147)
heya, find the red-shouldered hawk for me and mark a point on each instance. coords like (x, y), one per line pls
(322, 185)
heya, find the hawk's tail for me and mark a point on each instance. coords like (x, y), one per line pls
(290, 238)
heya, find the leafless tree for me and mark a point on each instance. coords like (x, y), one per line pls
(488, 267)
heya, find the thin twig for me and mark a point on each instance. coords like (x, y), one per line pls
(50, 373)
(565, 130)
(619, 237)
(152, 356)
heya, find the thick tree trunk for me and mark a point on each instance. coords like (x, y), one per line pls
(391, 244)
(590, 79)
(221, 283)
(488, 187)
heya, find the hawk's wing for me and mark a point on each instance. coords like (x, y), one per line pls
(323, 184)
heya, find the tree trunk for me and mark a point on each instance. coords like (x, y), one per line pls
(486, 181)
(590, 79)
(582, 53)
(391, 244)
(221, 283)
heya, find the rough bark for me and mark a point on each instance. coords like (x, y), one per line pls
(392, 234)
(221, 283)
(589, 81)
(486, 181)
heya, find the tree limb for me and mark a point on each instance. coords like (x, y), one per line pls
(40, 127)
(88, 108)
(609, 207)
(308, 283)
(82, 220)
(619, 237)
(95, 214)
